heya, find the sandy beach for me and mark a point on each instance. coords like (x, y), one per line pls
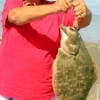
(94, 50)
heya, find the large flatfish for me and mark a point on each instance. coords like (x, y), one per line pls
(73, 68)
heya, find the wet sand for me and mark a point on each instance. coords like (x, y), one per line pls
(94, 50)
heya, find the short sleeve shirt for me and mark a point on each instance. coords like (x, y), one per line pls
(27, 53)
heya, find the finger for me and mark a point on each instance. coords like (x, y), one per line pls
(65, 7)
(68, 3)
(82, 12)
(75, 3)
(76, 6)
(28, 3)
(82, 15)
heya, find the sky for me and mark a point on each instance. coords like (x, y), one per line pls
(94, 6)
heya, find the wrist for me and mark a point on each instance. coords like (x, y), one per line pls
(56, 8)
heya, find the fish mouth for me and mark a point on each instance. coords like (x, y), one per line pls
(70, 33)
(73, 28)
(70, 39)
(69, 30)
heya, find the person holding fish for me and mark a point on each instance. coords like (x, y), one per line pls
(30, 42)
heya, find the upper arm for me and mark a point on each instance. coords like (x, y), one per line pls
(8, 6)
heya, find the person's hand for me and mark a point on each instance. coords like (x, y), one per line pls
(63, 5)
(28, 3)
(80, 9)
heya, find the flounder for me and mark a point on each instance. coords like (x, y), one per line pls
(73, 69)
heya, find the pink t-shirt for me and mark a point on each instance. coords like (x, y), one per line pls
(27, 53)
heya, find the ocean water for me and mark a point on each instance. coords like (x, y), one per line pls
(89, 34)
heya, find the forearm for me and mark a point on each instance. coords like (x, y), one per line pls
(23, 15)
(85, 21)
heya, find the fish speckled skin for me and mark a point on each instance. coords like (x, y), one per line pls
(73, 68)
